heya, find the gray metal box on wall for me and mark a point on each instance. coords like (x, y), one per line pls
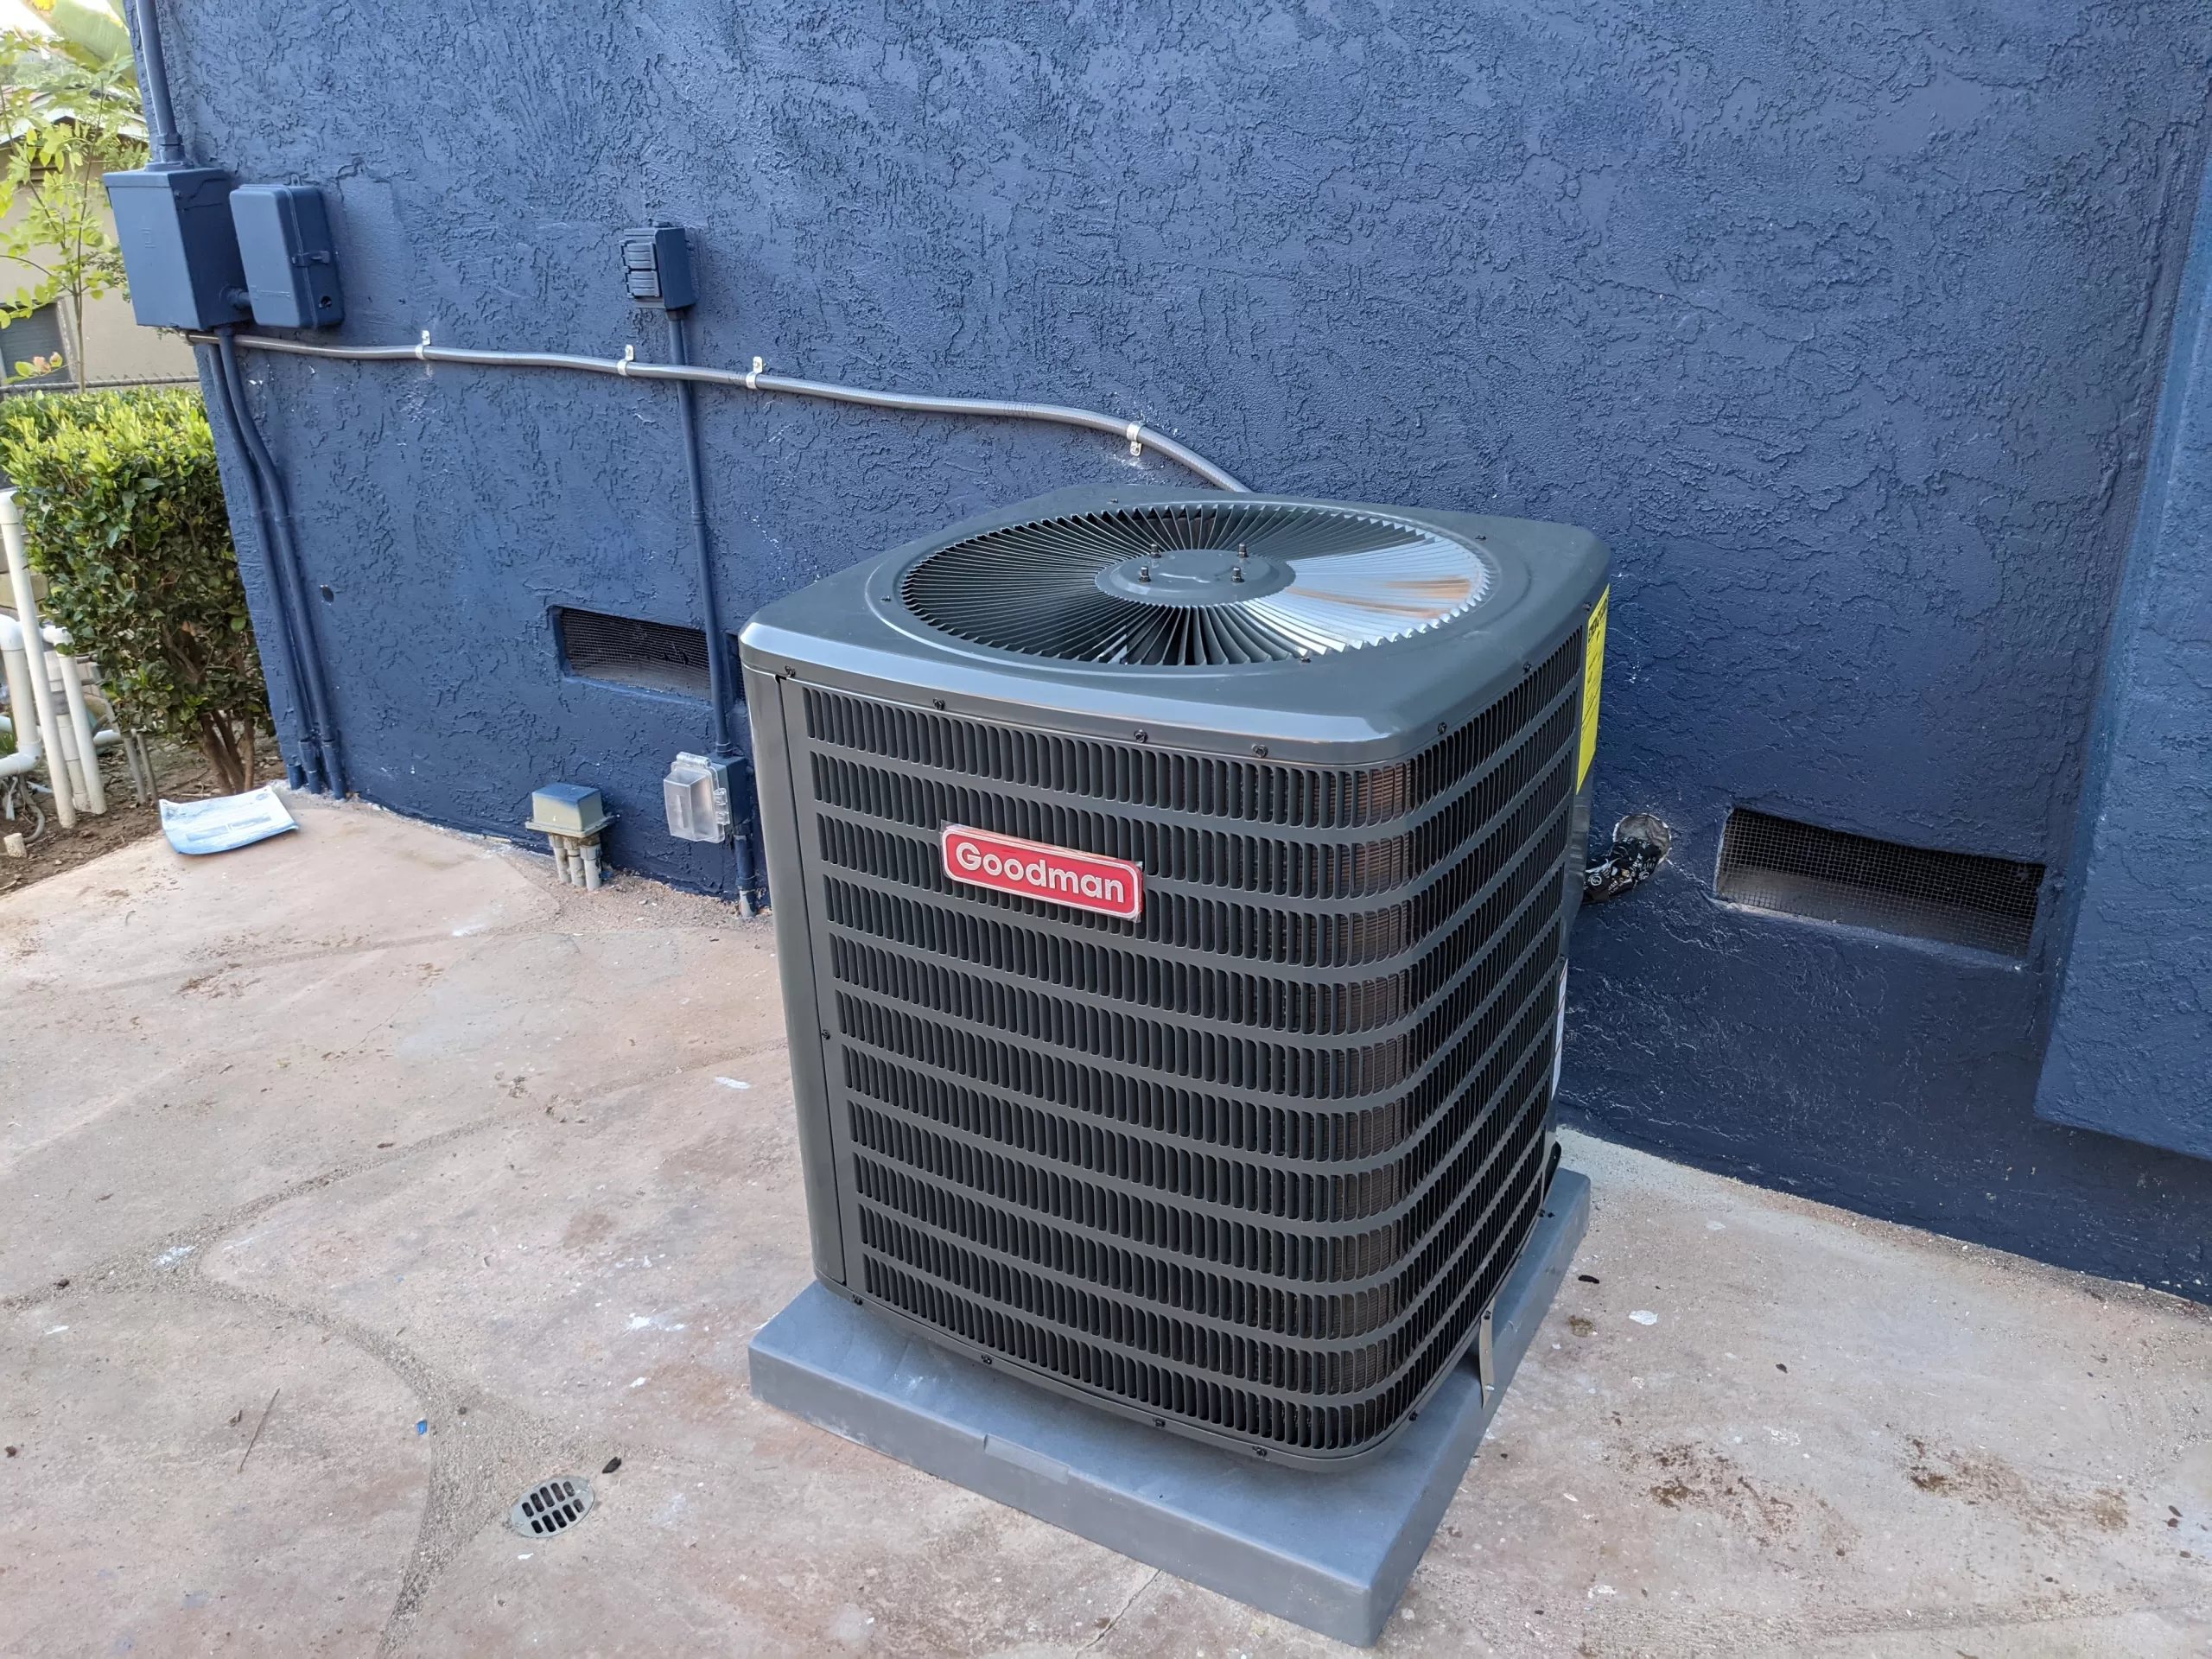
(1172, 894)
(180, 248)
(291, 270)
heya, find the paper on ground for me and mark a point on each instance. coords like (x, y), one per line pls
(227, 821)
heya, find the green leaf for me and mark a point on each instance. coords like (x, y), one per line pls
(124, 511)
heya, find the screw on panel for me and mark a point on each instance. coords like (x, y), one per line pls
(937, 702)
(1143, 736)
(1260, 749)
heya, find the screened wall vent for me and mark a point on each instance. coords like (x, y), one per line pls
(1798, 869)
(649, 656)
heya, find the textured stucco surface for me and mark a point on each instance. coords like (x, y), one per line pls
(1844, 327)
(2131, 1043)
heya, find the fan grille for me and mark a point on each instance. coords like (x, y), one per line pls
(1078, 589)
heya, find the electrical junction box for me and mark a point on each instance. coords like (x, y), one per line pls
(568, 810)
(656, 266)
(697, 794)
(178, 247)
(291, 273)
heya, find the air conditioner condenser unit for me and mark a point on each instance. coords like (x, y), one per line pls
(1171, 895)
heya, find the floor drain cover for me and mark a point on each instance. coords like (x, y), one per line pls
(554, 1506)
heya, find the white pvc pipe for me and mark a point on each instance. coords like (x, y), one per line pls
(86, 757)
(49, 728)
(22, 722)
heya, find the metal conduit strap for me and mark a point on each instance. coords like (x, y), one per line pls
(1135, 432)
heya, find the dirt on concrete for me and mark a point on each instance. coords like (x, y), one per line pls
(179, 773)
(483, 1180)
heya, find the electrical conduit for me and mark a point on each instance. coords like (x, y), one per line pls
(302, 762)
(287, 575)
(1135, 432)
(722, 679)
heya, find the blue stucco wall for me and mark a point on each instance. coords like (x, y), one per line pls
(1845, 328)
(2131, 1045)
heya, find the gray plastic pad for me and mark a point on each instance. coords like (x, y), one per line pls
(1330, 1551)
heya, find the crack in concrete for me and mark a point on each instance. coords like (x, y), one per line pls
(484, 1450)
(1107, 1627)
(339, 952)
(483, 1447)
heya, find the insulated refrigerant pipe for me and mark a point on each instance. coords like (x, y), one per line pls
(757, 380)
(286, 554)
(49, 726)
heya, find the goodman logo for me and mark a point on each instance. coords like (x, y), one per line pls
(1112, 887)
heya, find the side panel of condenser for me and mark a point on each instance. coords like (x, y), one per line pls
(772, 750)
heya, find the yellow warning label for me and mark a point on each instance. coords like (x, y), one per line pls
(1593, 674)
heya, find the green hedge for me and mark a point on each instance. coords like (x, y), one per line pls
(122, 510)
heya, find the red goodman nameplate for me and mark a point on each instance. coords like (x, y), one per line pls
(1056, 875)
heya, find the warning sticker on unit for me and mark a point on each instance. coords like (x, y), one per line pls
(1035, 870)
(1593, 674)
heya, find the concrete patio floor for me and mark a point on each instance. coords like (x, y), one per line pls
(481, 1180)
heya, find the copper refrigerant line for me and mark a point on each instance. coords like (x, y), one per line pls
(628, 366)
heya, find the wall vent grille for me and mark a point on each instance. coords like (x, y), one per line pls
(1798, 869)
(624, 651)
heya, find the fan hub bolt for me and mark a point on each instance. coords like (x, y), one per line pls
(1196, 576)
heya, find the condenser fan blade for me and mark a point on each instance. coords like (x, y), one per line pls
(1343, 579)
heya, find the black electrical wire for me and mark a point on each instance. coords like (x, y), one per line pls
(285, 552)
(302, 761)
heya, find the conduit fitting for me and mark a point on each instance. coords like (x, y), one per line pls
(1640, 843)
(571, 816)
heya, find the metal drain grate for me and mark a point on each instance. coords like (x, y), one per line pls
(552, 1506)
(1798, 869)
